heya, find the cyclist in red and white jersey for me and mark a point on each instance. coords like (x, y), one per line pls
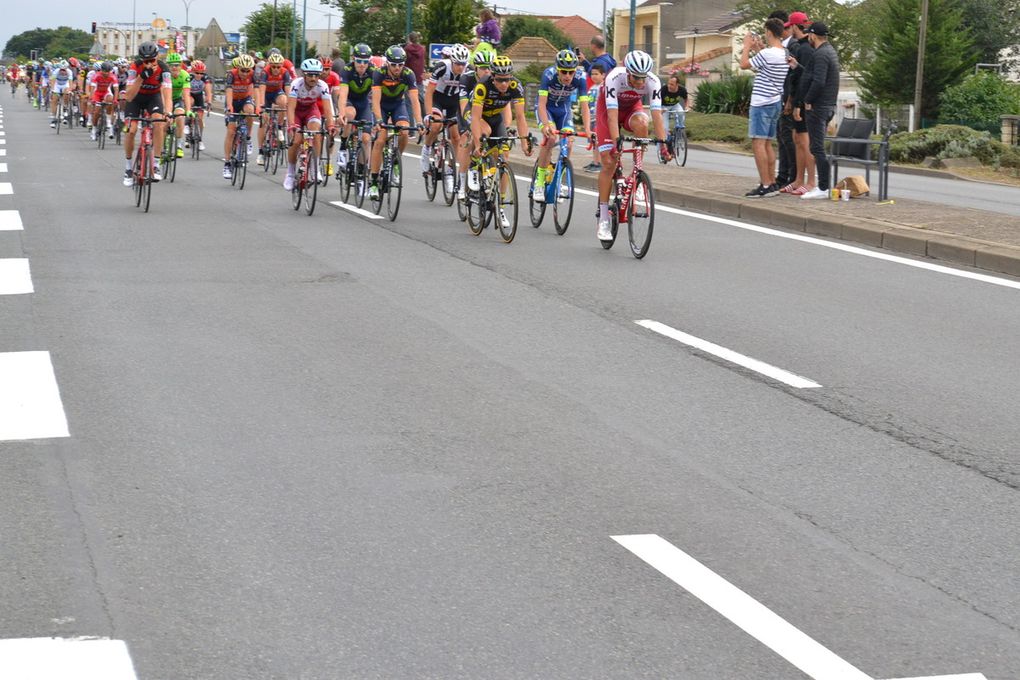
(102, 86)
(148, 89)
(620, 105)
(303, 103)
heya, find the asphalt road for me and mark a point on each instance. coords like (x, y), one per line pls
(335, 447)
(955, 192)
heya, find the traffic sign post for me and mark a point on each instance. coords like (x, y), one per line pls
(436, 50)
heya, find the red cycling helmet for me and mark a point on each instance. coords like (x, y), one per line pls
(197, 66)
(326, 63)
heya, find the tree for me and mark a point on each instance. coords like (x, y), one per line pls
(259, 29)
(520, 26)
(842, 19)
(980, 100)
(607, 33)
(994, 25)
(379, 23)
(447, 21)
(54, 42)
(887, 75)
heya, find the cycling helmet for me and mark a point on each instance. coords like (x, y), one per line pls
(73, 62)
(502, 65)
(198, 66)
(638, 63)
(107, 66)
(326, 63)
(275, 50)
(245, 61)
(258, 55)
(565, 60)
(311, 66)
(173, 58)
(395, 55)
(275, 59)
(64, 64)
(362, 51)
(459, 54)
(148, 50)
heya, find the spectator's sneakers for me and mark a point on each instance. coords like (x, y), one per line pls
(593, 167)
(757, 192)
(771, 190)
(815, 194)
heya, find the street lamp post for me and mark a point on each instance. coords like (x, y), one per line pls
(630, 35)
(134, 27)
(187, 7)
(407, 23)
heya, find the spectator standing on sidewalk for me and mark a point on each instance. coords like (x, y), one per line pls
(784, 133)
(598, 56)
(770, 67)
(596, 77)
(820, 102)
(416, 62)
(800, 49)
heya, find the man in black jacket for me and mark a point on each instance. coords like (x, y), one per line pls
(820, 102)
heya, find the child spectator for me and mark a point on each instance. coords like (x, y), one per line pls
(597, 75)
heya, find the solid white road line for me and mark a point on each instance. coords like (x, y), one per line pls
(30, 406)
(6, 189)
(10, 220)
(791, 379)
(356, 210)
(15, 276)
(3, 152)
(60, 659)
(747, 613)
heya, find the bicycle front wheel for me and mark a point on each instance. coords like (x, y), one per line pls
(448, 170)
(295, 193)
(680, 153)
(360, 176)
(311, 182)
(170, 168)
(242, 163)
(431, 178)
(535, 208)
(563, 208)
(138, 176)
(147, 178)
(641, 216)
(393, 194)
(100, 128)
(506, 203)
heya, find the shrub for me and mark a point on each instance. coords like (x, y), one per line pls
(731, 94)
(716, 127)
(1010, 158)
(980, 99)
(944, 141)
(532, 73)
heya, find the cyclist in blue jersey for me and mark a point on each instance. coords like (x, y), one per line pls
(559, 84)
(389, 83)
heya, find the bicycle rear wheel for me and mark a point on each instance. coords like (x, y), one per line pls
(324, 166)
(347, 180)
(170, 164)
(274, 154)
(448, 174)
(563, 208)
(506, 203)
(535, 208)
(641, 216)
(147, 168)
(395, 185)
(100, 128)
(311, 181)
(60, 117)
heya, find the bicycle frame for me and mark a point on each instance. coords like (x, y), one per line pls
(638, 152)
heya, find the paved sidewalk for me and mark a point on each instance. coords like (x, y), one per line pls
(975, 238)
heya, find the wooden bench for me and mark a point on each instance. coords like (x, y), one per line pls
(853, 145)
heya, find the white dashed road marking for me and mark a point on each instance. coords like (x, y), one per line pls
(783, 376)
(10, 220)
(747, 613)
(61, 659)
(15, 276)
(6, 189)
(30, 406)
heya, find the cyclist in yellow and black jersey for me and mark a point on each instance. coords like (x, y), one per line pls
(490, 98)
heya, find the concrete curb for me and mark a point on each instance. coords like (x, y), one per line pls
(950, 248)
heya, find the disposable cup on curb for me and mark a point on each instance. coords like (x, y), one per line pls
(834, 194)
(844, 194)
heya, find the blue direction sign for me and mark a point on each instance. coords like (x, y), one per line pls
(436, 50)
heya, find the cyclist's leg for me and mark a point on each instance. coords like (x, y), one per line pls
(402, 118)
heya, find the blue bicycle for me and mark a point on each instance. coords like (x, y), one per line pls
(559, 189)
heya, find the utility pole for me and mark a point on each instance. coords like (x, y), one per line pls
(293, 31)
(329, 32)
(410, 8)
(922, 40)
(304, 27)
(272, 31)
(630, 37)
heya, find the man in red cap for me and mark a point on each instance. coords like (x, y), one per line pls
(800, 50)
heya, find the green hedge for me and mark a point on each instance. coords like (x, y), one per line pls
(716, 127)
(944, 141)
(731, 95)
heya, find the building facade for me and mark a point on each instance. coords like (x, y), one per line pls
(123, 38)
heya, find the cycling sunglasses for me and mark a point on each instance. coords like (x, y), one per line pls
(566, 71)
(502, 79)
(362, 61)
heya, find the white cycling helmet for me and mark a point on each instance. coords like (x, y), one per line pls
(638, 63)
(311, 66)
(459, 54)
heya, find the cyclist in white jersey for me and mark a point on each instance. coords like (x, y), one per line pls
(442, 98)
(63, 84)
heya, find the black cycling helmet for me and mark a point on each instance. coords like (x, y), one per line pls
(148, 50)
(107, 66)
(362, 51)
(395, 55)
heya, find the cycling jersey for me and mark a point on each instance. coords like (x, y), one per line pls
(492, 100)
(307, 109)
(61, 80)
(102, 82)
(558, 95)
(357, 86)
(618, 94)
(393, 89)
(178, 83)
(157, 79)
(447, 82)
(276, 83)
(197, 83)
(241, 86)
(670, 99)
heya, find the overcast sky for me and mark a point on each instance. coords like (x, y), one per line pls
(230, 14)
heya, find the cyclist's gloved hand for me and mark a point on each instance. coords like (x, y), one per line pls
(146, 73)
(294, 129)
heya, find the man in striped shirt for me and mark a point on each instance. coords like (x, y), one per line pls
(770, 67)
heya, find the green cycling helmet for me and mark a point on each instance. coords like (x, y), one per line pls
(173, 58)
